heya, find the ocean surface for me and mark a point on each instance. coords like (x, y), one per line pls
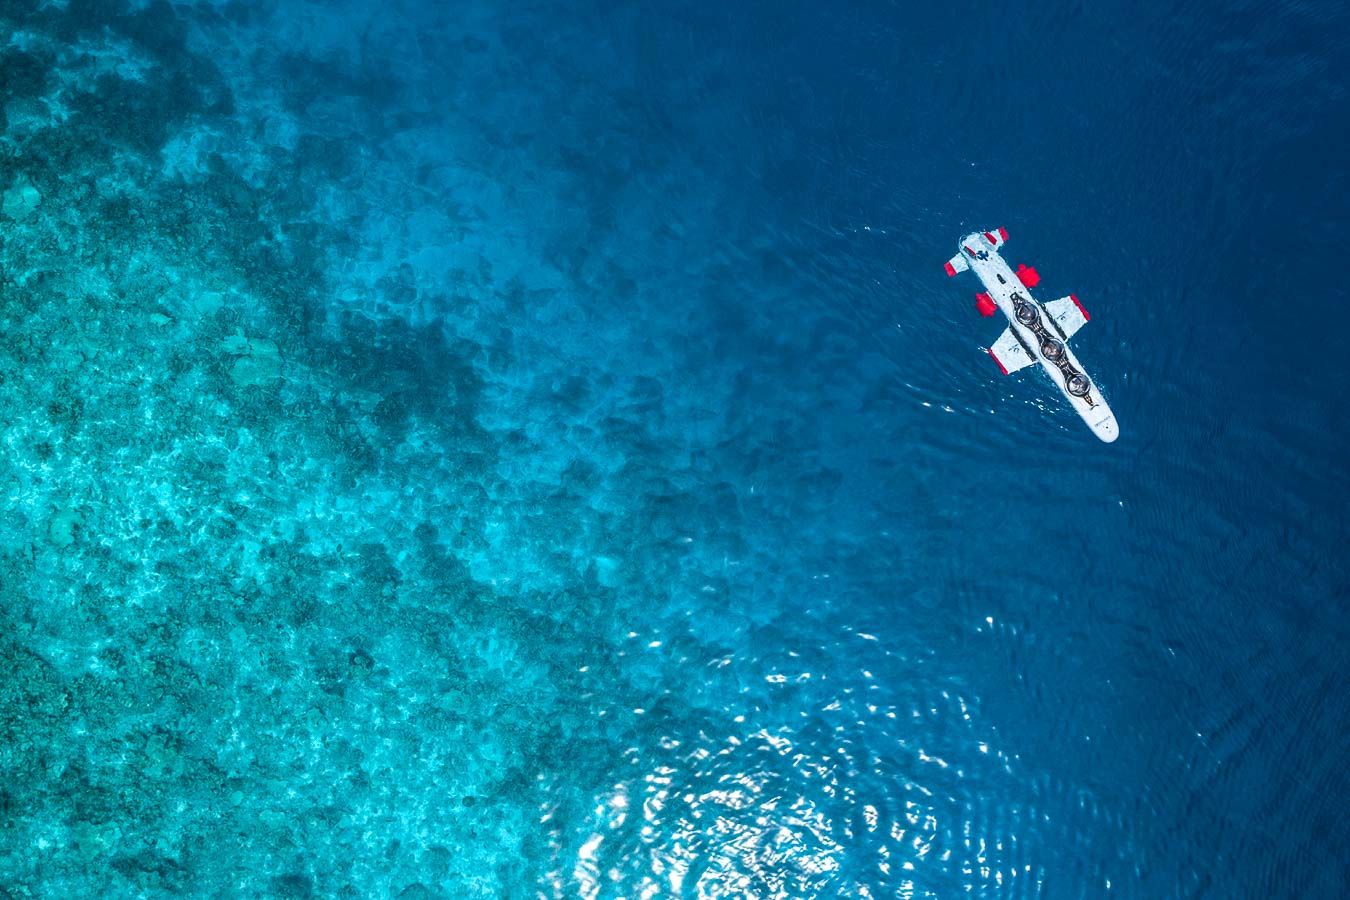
(532, 450)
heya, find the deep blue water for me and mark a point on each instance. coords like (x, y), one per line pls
(533, 450)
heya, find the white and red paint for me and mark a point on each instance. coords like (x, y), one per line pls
(1018, 346)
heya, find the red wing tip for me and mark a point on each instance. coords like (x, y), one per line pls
(1086, 317)
(951, 270)
(1003, 234)
(1002, 368)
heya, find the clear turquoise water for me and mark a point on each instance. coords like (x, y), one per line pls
(532, 450)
